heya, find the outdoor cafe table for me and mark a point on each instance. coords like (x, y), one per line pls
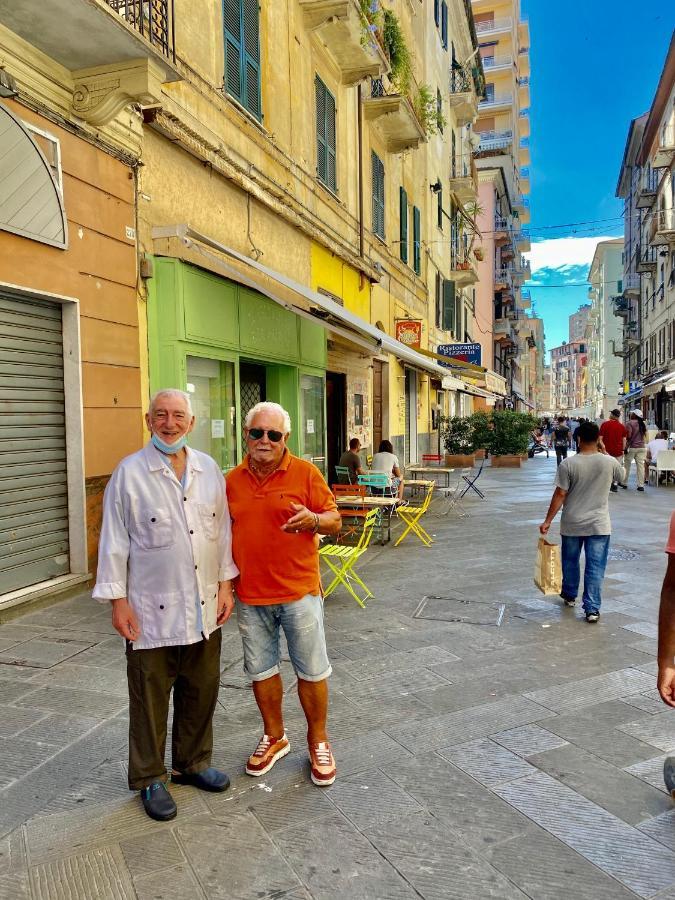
(386, 504)
(431, 470)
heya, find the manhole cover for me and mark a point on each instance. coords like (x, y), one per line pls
(457, 609)
(621, 553)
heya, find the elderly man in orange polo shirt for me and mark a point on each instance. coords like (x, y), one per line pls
(279, 504)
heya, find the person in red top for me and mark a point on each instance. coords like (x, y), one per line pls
(613, 436)
(279, 504)
(666, 650)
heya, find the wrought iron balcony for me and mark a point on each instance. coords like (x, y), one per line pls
(662, 227)
(394, 116)
(646, 259)
(340, 27)
(153, 19)
(631, 284)
(462, 98)
(622, 307)
(648, 185)
(464, 180)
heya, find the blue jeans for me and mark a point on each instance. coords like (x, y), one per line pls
(596, 548)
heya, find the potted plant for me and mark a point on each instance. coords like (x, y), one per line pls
(457, 438)
(481, 423)
(510, 435)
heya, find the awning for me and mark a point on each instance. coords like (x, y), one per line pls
(476, 391)
(666, 381)
(452, 362)
(184, 242)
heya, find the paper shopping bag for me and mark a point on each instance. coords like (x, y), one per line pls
(548, 568)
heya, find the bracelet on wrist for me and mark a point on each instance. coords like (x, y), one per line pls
(316, 524)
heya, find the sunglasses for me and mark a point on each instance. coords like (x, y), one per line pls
(257, 433)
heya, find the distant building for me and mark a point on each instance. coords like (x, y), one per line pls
(568, 364)
(578, 322)
(605, 369)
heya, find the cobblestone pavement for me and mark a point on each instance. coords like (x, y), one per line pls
(476, 760)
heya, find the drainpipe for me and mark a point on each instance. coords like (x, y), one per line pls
(360, 169)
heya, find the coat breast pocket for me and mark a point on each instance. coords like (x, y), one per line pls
(153, 529)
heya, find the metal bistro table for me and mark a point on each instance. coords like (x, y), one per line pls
(431, 470)
(385, 504)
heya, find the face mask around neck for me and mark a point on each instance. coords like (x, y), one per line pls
(169, 448)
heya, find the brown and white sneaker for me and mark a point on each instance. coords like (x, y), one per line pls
(268, 751)
(322, 763)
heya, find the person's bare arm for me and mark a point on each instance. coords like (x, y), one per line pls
(557, 501)
(666, 650)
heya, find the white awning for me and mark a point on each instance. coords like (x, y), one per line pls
(292, 295)
(658, 383)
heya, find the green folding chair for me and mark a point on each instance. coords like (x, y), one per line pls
(343, 475)
(341, 560)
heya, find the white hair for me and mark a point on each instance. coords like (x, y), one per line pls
(171, 392)
(268, 406)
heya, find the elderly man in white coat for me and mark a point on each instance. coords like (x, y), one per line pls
(165, 565)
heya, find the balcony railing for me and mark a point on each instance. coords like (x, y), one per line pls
(662, 226)
(153, 19)
(494, 25)
(463, 98)
(494, 102)
(621, 307)
(665, 151)
(504, 61)
(645, 260)
(462, 266)
(491, 141)
(502, 223)
(395, 117)
(631, 284)
(648, 185)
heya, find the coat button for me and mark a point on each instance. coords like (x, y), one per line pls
(191, 531)
(214, 515)
(202, 603)
(195, 567)
(185, 499)
(153, 519)
(161, 606)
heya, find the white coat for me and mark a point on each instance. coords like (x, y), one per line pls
(166, 548)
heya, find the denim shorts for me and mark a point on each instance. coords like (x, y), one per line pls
(302, 622)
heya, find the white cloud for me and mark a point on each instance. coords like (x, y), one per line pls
(563, 253)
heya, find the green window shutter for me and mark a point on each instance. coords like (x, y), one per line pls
(242, 52)
(403, 231)
(444, 24)
(325, 135)
(417, 241)
(448, 305)
(378, 194)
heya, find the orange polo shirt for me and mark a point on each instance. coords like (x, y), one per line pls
(275, 566)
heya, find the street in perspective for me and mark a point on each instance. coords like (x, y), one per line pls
(337, 450)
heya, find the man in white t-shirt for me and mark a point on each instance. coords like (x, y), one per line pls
(654, 447)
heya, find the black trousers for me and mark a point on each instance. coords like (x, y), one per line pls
(560, 454)
(193, 672)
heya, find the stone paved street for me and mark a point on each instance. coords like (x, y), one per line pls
(476, 760)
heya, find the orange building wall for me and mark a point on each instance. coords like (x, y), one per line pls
(99, 270)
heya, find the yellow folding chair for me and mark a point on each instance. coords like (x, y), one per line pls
(411, 515)
(341, 559)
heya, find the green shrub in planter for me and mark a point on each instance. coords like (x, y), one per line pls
(481, 425)
(510, 432)
(457, 434)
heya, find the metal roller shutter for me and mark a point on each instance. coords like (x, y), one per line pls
(33, 486)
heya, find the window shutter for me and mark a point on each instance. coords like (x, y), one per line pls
(378, 194)
(439, 209)
(251, 33)
(438, 312)
(417, 241)
(403, 235)
(331, 163)
(444, 24)
(448, 305)
(233, 48)
(242, 52)
(321, 149)
(439, 110)
(437, 12)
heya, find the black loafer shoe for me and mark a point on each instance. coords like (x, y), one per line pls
(209, 780)
(158, 802)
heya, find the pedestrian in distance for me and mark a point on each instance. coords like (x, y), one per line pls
(165, 565)
(279, 505)
(351, 460)
(582, 491)
(613, 435)
(666, 645)
(561, 440)
(636, 448)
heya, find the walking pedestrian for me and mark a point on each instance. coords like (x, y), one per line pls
(582, 490)
(636, 448)
(613, 437)
(666, 647)
(165, 564)
(561, 440)
(279, 505)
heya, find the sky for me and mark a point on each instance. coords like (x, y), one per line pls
(595, 65)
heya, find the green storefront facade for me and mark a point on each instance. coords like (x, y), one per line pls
(229, 347)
